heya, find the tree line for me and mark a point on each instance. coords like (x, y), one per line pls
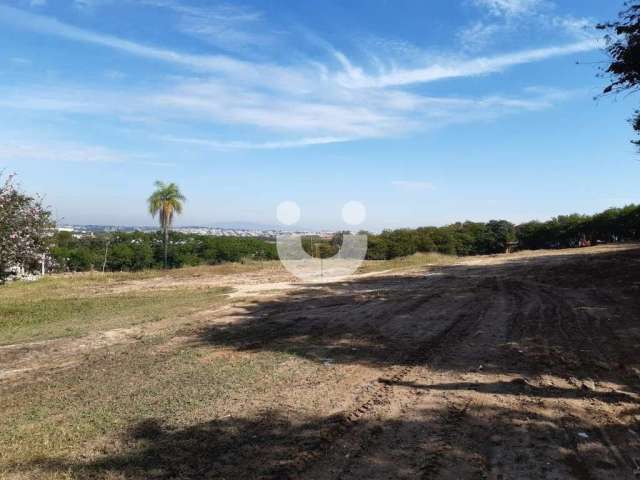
(495, 236)
(123, 251)
(462, 238)
(26, 226)
(138, 250)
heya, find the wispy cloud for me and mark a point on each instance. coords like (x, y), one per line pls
(228, 26)
(506, 20)
(574, 26)
(51, 26)
(354, 78)
(320, 103)
(273, 145)
(478, 35)
(210, 102)
(412, 185)
(73, 152)
(351, 76)
(510, 7)
(59, 152)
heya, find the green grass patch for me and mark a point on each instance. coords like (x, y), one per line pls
(84, 412)
(67, 307)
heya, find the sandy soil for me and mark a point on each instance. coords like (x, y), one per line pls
(510, 366)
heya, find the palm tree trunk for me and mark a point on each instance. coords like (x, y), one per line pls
(166, 244)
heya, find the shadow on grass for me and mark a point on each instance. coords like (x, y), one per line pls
(565, 315)
(273, 447)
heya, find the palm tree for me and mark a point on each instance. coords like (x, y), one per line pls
(164, 202)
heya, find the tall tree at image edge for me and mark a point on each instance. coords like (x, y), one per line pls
(623, 47)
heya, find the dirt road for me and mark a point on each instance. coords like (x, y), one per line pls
(505, 367)
(523, 366)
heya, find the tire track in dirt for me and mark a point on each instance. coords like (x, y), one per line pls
(573, 341)
(525, 446)
(353, 427)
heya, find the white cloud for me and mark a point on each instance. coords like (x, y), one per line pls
(313, 103)
(412, 185)
(59, 152)
(74, 152)
(478, 35)
(508, 20)
(349, 115)
(574, 26)
(463, 67)
(301, 78)
(60, 100)
(225, 103)
(510, 7)
(225, 25)
(273, 145)
(356, 114)
(47, 25)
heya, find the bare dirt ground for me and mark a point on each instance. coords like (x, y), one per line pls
(510, 366)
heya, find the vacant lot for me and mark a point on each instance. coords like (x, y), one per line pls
(519, 366)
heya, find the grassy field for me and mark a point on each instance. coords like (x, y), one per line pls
(317, 381)
(76, 304)
(69, 306)
(81, 411)
(56, 424)
(412, 261)
(50, 428)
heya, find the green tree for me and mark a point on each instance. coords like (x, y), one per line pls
(80, 260)
(142, 256)
(424, 240)
(623, 38)
(121, 257)
(165, 201)
(503, 233)
(378, 248)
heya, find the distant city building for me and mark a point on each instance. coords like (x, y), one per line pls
(83, 231)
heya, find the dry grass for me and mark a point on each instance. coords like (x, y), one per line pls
(72, 305)
(412, 261)
(55, 425)
(76, 304)
(51, 428)
(55, 421)
(246, 266)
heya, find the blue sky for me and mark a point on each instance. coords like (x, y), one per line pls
(427, 112)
